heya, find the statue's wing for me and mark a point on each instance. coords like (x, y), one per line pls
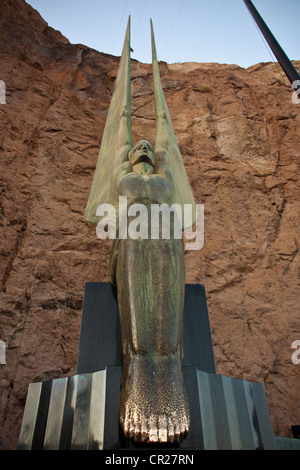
(116, 140)
(165, 139)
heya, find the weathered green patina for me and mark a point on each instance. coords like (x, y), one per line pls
(149, 273)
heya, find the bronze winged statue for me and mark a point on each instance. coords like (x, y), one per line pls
(149, 272)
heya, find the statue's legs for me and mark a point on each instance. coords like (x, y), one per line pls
(150, 278)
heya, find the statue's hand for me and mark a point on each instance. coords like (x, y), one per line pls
(122, 152)
(125, 168)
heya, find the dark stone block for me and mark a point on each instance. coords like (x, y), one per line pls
(100, 336)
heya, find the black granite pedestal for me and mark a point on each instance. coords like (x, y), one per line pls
(100, 348)
(82, 411)
(100, 336)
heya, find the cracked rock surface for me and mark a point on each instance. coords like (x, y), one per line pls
(239, 135)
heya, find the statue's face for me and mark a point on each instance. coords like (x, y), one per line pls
(142, 157)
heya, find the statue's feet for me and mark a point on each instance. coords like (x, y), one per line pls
(154, 406)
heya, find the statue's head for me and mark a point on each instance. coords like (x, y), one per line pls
(142, 157)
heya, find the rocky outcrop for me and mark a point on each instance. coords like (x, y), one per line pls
(238, 132)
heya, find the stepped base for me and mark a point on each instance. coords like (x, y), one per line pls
(82, 412)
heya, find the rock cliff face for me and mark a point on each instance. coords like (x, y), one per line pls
(239, 134)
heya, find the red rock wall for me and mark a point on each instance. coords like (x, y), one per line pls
(241, 147)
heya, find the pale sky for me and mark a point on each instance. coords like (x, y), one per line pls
(220, 31)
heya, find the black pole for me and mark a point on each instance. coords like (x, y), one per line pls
(279, 53)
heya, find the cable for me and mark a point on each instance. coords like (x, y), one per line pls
(177, 16)
(205, 32)
(272, 55)
(140, 18)
(118, 32)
